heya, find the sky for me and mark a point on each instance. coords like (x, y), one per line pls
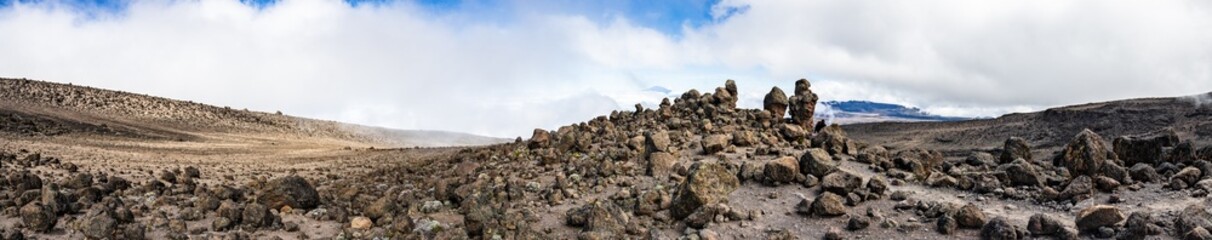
(503, 68)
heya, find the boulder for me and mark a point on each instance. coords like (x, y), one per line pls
(1193, 216)
(1000, 229)
(832, 138)
(1097, 216)
(38, 218)
(715, 143)
(1023, 173)
(817, 162)
(706, 183)
(1079, 189)
(1199, 233)
(776, 103)
(1084, 155)
(829, 205)
(1015, 148)
(1141, 225)
(841, 182)
(539, 139)
(230, 210)
(99, 226)
(1044, 225)
(293, 191)
(782, 170)
(657, 141)
(792, 133)
(256, 215)
(1188, 175)
(1144, 173)
(660, 164)
(601, 215)
(946, 225)
(1146, 148)
(970, 216)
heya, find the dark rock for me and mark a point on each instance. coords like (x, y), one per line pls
(1044, 225)
(841, 182)
(1106, 184)
(1144, 173)
(829, 205)
(192, 172)
(804, 207)
(858, 222)
(1141, 225)
(1146, 148)
(1001, 229)
(1094, 217)
(946, 225)
(833, 234)
(707, 183)
(775, 103)
(970, 216)
(38, 218)
(230, 210)
(832, 139)
(1015, 148)
(782, 170)
(1023, 173)
(1084, 155)
(539, 139)
(1193, 216)
(293, 191)
(99, 226)
(603, 216)
(1079, 189)
(803, 104)
(817, 162)
(257, 215)
(981, 159)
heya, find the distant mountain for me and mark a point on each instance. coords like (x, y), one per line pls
(848, 112)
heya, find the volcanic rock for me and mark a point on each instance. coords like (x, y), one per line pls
(707, 183)
(38, 218)
(782, 170)
(829, 205)
(775, 103)
(1015, 148)
(803, 103)
(1094, 217)
(1148, 148)
(1000, 229)
(817, 162)
(1085, 154)
(1044, 225)
(293, 191)
(841, 182)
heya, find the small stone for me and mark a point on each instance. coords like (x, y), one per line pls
(360, 223)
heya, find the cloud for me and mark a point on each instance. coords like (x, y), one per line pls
(509, 68)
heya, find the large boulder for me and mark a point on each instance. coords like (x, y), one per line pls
(38, 218)
(706, 183)
(1015, 148)
(829, 205)
(716, 143)
(1023, 173)
(1192, 217)
(1000, 229)
(1146, 148)
(1084, 155)
(293, 191)
(817, 162)
(970, 216)
(657, 141)
(776, 103)
(782, 170)
(803, 104)
(1093, 217)
(832, 139)
(841, 182)
(539, 139)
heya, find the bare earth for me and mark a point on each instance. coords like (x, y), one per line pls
(601, 179)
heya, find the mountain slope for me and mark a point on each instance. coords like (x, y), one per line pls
(1049, 129)
(849, 112)
(33, 108)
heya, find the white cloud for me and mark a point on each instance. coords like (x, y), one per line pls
(401, 66)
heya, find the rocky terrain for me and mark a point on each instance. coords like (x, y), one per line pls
(697, 167)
